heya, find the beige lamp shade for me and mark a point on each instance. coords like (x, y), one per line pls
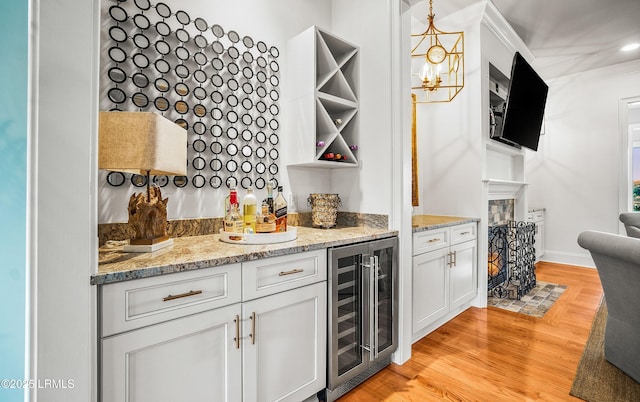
(141, 142)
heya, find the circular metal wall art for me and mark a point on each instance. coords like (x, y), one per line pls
(198, 71)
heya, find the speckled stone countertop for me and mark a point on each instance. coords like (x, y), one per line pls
(194, 252)
(421, 223)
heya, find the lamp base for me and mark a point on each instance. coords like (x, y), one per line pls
(147, 248)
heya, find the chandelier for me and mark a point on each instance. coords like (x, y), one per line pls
(437, 63)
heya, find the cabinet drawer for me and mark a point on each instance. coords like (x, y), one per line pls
(430, 240)
(141, 302)
(462, 233)
(277, 274)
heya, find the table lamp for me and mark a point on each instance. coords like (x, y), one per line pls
(143, 143)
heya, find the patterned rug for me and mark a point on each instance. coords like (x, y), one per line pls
(535, 303)
(597, 380)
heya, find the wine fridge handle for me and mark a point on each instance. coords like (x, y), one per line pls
(376, 300)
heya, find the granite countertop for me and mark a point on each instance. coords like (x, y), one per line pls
(194, 252)
(420, 223)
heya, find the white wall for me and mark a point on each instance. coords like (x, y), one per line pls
(449, 135)
(368, 188)
(574, 174)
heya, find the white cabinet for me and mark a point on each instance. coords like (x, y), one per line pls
(193, 358)
(285, 312)
(537, 216)
(444, 275)
(284, 355)
(242, 332)
(324, 74)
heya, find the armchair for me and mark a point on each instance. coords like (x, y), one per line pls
(631, 222)
(617, 259)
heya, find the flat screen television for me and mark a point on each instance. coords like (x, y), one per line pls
(524, 109)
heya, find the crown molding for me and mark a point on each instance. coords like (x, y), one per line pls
(495, 21)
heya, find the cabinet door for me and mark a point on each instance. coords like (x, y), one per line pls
(193, 358)
(539, 240)
(430, 288)
(463, 277)
(284, 345)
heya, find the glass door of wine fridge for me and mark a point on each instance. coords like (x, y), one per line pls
(346, 327)
(363, 300)
(384, 279)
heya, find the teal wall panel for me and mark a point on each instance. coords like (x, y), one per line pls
(13, 197)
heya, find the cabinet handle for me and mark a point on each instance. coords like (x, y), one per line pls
(455, 258)
(253, 328)
(187, 294)
(433, 240)
(293, 271)
(450, 262)
(237, 338)
(464, 233)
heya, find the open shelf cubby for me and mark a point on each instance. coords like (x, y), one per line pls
(326, 79)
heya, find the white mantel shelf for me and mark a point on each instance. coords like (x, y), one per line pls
(504, 187)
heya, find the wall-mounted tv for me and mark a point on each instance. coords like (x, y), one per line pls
(524, 109)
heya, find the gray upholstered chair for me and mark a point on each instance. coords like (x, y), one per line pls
(617, 259)
(631, 222)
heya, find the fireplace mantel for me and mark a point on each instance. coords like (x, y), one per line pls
(504, 189)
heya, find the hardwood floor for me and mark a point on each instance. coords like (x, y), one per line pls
(496, 355)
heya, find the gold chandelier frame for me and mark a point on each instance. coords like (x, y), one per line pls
(437, 63)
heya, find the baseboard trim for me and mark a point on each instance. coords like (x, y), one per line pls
(561, 257)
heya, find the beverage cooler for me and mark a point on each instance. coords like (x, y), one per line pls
(362, 313)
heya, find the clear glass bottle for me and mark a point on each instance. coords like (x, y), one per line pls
(249, 211)
(280, 208)
(233, 222)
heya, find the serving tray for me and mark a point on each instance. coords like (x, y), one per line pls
(259, 238)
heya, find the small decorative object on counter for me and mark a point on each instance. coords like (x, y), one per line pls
(280, 207)
(249, 211)
(324, 209)
(233, 222)
(353, 147)
(320, 144)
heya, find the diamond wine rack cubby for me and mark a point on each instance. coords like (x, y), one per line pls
(324, 70)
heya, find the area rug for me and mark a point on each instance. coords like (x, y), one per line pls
(535, 303)
(597, 380)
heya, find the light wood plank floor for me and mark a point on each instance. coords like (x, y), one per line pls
(496, 355)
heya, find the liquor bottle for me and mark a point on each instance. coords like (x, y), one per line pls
(232, 221)
(280, 207)
(266, 221)
(249, 211)
(270, 197)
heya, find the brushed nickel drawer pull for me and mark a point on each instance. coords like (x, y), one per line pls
(253, 328)
(293, 271)
(237, 338)
(433, 240)
(464, 233)
(190, 293)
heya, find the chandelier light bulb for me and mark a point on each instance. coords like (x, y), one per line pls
(429, 74)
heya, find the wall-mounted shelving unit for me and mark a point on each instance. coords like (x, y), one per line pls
(325, 78)
(503, 162)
